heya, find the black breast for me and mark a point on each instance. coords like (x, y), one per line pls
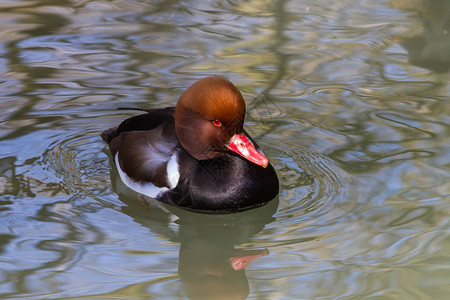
(227, 183)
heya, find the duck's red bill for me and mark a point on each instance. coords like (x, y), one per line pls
(241, 145)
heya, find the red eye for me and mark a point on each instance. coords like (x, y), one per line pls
(217, 122)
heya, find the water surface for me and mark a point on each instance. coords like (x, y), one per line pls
(348, 99)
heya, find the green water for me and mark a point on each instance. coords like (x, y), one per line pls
(348, 99)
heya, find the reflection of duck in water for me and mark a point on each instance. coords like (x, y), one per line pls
(196, 155)
(210, 267)
(431, 48)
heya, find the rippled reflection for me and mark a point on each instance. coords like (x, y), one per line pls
(347, 98)
(429, 49)
(209, 266)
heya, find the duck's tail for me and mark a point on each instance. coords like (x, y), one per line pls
(109, 134)
(134, 108)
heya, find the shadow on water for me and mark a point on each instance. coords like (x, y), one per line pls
(210, 266)
(430, 48)
(44, 24)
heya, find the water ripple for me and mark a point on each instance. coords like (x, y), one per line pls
(355, 125)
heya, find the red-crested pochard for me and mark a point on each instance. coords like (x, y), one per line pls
(196, 155)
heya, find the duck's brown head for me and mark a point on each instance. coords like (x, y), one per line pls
(209, 119)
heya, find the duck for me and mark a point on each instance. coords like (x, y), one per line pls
(197, 155)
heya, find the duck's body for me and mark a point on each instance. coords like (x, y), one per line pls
(196, 156)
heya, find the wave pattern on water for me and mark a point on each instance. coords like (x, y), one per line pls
(347, 98)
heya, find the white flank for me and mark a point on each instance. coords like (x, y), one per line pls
(148, 189)
(173, 174)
